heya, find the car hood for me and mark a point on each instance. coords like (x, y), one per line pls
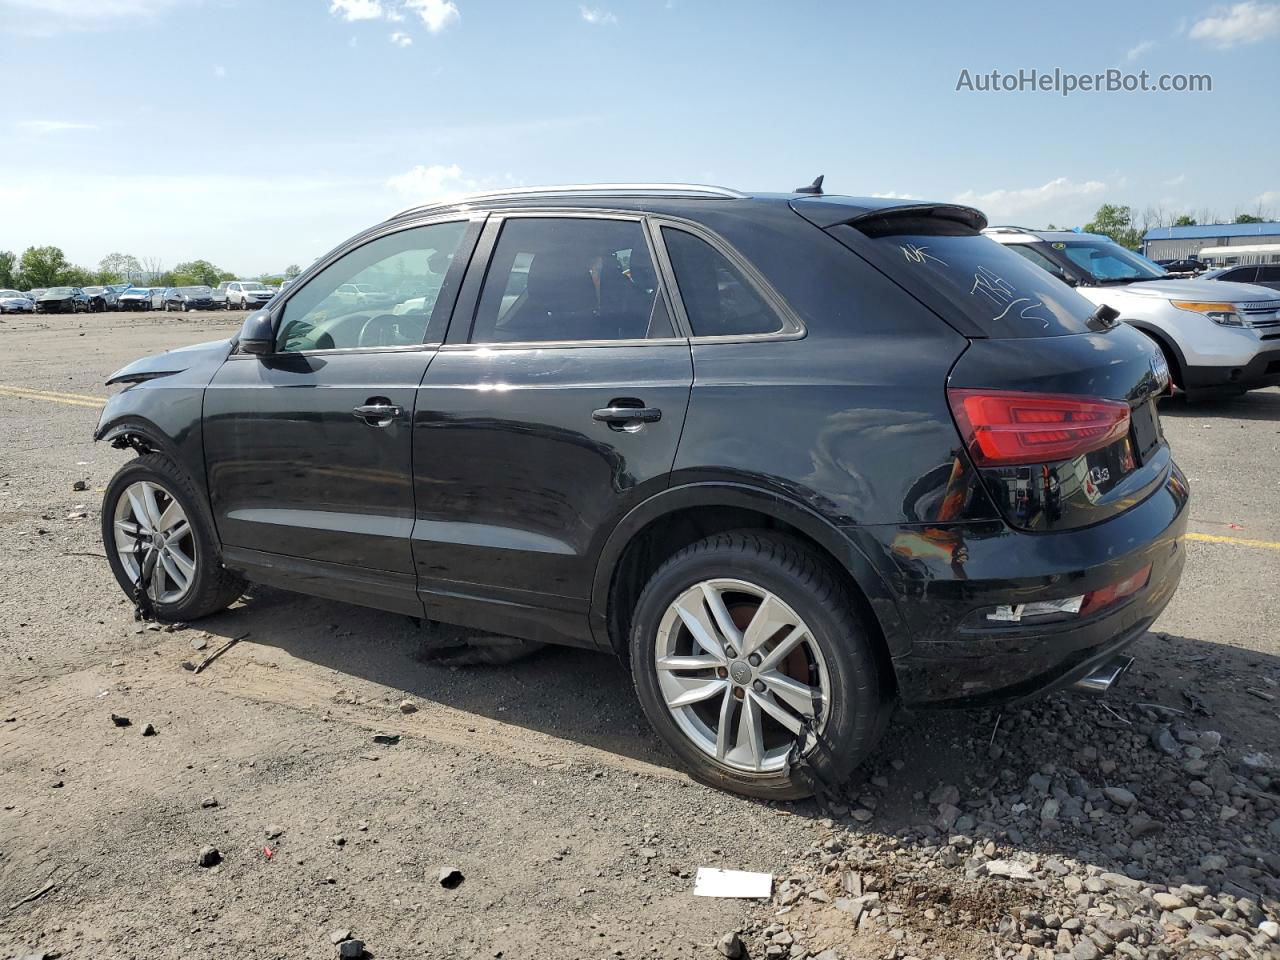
(1202, 290)
(171, 362)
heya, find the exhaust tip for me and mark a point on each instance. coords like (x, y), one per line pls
(1104, 676)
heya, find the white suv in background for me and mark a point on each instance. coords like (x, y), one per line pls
(1214, 335)
(247, 295)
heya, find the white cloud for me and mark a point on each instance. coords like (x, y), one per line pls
(356, 9)
(894, 195)
(596, 15)
(401, 39)
(1238, 24)
(1139, 49)
(219, 71)
(1061, 194)
(429, 182)
(48, 17)
(1177, 181)
(1269, 199)
(42, 127)
(435, 14)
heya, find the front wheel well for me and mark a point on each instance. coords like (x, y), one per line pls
(665, 536)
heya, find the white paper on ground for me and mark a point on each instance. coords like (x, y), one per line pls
(711, 882)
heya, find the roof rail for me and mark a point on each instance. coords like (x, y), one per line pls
(680, 191)
(1008, 228)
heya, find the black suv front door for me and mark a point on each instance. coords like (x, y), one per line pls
(309, 450)
(555, 407)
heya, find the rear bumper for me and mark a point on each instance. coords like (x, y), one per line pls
(955, 657)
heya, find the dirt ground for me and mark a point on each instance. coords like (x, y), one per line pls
(576, 832)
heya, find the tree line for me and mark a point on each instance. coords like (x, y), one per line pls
(1127, 226)
(43, 267)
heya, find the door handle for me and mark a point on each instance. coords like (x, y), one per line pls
(627, 414)
(377, 414)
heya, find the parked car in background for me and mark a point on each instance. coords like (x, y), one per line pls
(965, 496)
(135, 298)
(157, 297)
(63, 300)
(1187, 267)
(1214, 336)
(188, 298)
(359, 295)
(35, 294)
(1262, 274)
(247, 295)
(101, 299)
(220, 296)
(12, 301)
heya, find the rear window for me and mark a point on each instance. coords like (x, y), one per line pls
(1003, 294)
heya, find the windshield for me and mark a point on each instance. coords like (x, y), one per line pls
(996, 289)
(1105, 260)
(252, 286)
(135, 292)
(10, 293)
(195, 291)
(94, 290)
(60, 291)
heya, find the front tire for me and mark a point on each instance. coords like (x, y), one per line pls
(752, 664)
(189, 580)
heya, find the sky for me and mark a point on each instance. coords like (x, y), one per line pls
(261, 133)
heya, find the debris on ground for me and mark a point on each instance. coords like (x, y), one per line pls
(34, 895)
(209, 803)
(408, 706)
(712, 882)
(450, 878)
(120, 721)
(351, 949)
(149, 730)
(1080, 838)
(209, 857)
(386, 739)
(219, 652)
(730, 945)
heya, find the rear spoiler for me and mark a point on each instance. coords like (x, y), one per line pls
(826, 215)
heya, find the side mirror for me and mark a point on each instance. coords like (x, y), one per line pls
(257, 334)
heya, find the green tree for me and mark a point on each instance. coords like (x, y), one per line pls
(1185, 220)
(1116, 222)
(8, 273)
(74, 276)
(118, 267)
(197, 273)
(43, 266)
(271, 280)
(1247, 218)
(291, 271)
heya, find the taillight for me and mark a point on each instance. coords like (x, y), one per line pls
(1003, 427)
(1115, 592)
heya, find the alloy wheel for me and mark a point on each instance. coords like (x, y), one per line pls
(148, 518)
(741, 674)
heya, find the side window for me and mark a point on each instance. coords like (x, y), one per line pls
(570, 278)
(381, 294)
(1036, 257)
(718, 299)
(1242, 275)
(1268, 274)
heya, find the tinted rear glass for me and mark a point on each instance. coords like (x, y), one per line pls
(1004, 294)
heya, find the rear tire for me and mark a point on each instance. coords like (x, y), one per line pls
(831, 673)
(212, 587)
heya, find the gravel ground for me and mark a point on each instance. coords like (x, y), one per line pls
(1145, 824)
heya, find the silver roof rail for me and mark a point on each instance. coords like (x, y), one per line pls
(677, 191)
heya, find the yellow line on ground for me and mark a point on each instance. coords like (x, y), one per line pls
(73, 399)
(53, 393)
(1237, 541)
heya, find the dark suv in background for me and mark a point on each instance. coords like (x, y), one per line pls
(795, 457)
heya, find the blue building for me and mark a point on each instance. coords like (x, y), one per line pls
(1175, 243)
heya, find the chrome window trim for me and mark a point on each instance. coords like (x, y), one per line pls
(793, 327)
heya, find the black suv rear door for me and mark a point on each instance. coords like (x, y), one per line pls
(554, 408)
